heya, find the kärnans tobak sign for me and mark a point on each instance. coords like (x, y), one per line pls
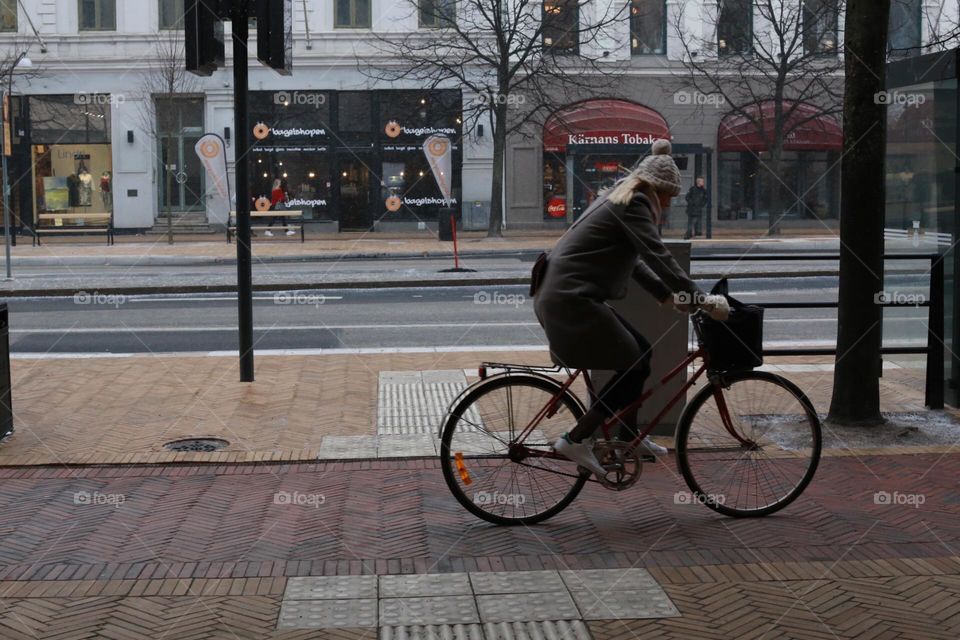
(612, 138)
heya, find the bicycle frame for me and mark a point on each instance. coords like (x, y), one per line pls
(551, 407)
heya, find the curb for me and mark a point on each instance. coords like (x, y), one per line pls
(157, 261)
(343, 285)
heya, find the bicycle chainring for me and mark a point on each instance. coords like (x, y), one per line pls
(624, 466)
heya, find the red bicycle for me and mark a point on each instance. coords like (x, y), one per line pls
(747, 444)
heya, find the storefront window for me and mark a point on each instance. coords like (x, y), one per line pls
(821, 20)
(808, 183)
(409, 189)
(437, 13)
(554, 187)
(71, 156)
(8, 15)
(561, 23)
(304, 176)
(354, 14)
(648, 27)
(293, 145)
(171, 14)
(355, 157)
(734, 27)
(904, 34)
(98, 15)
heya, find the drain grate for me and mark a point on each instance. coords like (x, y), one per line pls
(197, 444)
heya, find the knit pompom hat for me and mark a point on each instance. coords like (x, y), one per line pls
(657, 170)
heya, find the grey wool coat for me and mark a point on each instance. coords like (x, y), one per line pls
(592, 263)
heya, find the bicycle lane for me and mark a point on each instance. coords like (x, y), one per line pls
(218, 551)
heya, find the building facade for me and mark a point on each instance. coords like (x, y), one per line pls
(102, 121)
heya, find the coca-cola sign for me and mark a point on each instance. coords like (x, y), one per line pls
(557, 208)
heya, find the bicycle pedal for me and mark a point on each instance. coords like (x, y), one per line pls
(647, 457)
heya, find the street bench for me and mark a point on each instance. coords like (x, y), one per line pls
(289, 218)
(57, 223)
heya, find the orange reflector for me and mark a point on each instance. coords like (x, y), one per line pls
(462, 468)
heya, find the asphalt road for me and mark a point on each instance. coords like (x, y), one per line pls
(459, 317)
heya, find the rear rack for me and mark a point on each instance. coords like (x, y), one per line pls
(484, 366)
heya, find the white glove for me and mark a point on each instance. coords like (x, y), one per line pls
(716, 307)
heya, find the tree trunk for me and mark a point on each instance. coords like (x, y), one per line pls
(856, 384)
(775, 199)
(495, 229)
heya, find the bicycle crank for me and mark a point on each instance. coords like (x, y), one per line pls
(623, 465)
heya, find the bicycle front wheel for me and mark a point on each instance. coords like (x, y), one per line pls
(494, 476)
(748, 444)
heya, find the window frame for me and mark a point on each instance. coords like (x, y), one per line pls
(819, 51)
(663, 31)
(98, 12)
(916, 28)
(15, 7)
(178, 24)
(442, 21)
(750, 32)
(553, 48)
(352, 25)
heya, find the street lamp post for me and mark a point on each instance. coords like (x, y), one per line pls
(21, 61)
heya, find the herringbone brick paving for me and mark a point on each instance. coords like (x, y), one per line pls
(204, 551)
(97, 411)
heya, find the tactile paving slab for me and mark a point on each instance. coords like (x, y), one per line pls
(328, 614)
(432, 584)
(428, 610)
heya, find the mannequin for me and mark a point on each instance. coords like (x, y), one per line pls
(105, 194)
(86, 185)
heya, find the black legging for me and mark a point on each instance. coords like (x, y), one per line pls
(621, 390)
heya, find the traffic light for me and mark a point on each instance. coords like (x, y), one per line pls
(275, 34)
(204, 45)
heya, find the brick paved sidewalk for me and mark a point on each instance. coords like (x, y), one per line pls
(123, 410)
(210, 552)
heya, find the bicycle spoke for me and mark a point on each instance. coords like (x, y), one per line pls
(482, 432)
(768, 472)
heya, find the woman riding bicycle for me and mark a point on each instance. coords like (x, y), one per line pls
(614, 239)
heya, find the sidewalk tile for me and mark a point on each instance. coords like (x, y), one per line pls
(428, 610)
(516, 582)
(606, 580)
(330, 587)
(328, 614)
(556, 605)
(629, 604)
(436, 584)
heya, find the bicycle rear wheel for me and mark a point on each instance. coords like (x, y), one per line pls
(749, 444)
(498, 482)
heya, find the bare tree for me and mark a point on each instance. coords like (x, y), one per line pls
(521, 59)
(786, 58)
(166, 80)
(856, 384)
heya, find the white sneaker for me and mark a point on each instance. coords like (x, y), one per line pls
(653, 447)
(291, 232)
(579, 452)
(268, 233)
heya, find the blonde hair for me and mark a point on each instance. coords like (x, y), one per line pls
(624, 190)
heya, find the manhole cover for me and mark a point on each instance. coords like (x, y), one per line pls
(196, 444)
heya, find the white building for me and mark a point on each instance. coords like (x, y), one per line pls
(88, 134)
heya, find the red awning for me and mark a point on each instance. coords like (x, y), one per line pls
(813, 133)
(603, 121)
